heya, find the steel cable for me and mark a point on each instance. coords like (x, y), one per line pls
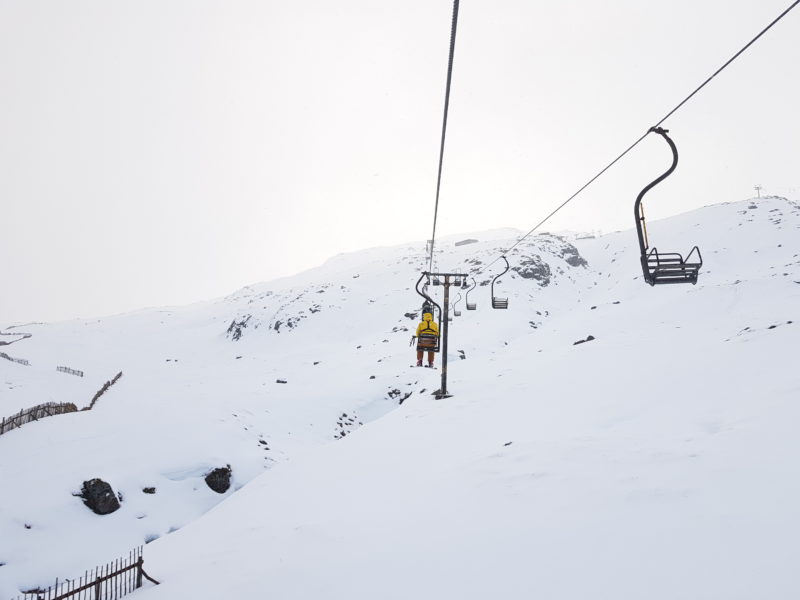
(444, 125)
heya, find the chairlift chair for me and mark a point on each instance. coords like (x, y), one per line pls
(457, 312)
(663, 267)
(428, 342)
(501, 303)
(471, 305)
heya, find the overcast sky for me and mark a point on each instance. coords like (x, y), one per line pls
(160, 152)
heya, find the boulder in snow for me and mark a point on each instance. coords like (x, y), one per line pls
(219, 479)
(99, 496)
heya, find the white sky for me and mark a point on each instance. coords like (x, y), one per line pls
(162, 151)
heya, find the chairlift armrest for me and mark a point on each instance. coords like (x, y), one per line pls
(700, 256)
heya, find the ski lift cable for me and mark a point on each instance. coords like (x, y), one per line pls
(638, 141)
(444, 125)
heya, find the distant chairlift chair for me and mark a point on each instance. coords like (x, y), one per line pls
(663, 267)
(500, 302)
(471, 305)
(457, 312)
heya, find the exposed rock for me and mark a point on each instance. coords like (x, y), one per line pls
(236, 328)
(149, 490)
(219, 479)
(533, 267)
(570, 254)
(467, 241)
(99, 497)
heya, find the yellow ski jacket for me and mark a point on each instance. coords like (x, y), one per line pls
(428, 326)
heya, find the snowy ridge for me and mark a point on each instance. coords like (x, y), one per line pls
(650, 461)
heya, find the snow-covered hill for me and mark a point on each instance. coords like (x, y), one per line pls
(656, 460)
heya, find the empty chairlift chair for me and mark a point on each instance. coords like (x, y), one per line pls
(471, 305)
(457, 312)
(664, 267)
(500, 302)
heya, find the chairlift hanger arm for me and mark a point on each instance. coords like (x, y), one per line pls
(638, 209)
(427, 297)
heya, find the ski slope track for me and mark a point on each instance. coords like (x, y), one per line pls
(657, 460)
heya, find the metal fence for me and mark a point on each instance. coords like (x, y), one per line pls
(107, 582)
(70, 371)
(48, 409)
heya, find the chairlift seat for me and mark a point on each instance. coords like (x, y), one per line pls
(671, 267)
(499, 302)
(471, 306)
(457, 313)
(427, 342)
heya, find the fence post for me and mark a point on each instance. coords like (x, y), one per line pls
(97, 591)
(139, 569)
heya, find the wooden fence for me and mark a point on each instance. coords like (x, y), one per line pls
(107, 582)
(48, 409)
(21, 361)
(102, 391)
(70, 371)
(51, 409)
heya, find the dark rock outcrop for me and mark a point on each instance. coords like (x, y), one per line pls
(219, 479)
(570, 254)
(236, 328)
(99, 497)
(533, 267)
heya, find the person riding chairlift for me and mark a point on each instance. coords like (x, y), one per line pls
(427, 336)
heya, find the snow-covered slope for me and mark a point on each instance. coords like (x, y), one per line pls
(655, 460)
